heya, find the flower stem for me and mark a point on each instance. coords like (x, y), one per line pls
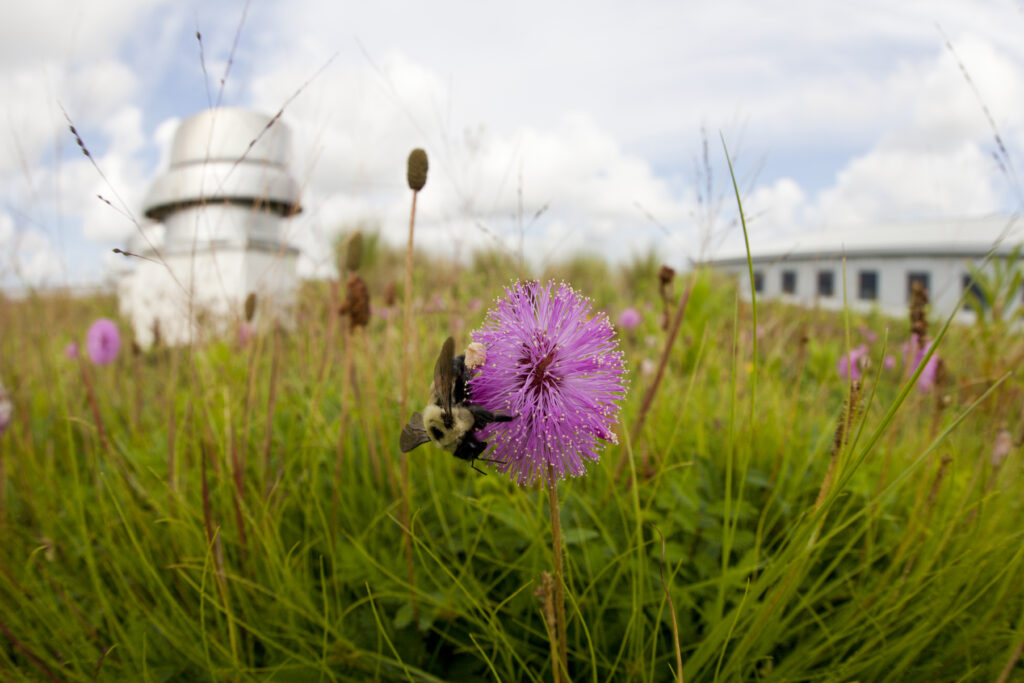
(672, 611)
(406, 339)
(3, 486)
(271, 401)
(556, 548)
(653, 389)
(546, 592)
(93, 405)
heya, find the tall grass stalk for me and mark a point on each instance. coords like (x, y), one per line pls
(131, 565)
(416, 174)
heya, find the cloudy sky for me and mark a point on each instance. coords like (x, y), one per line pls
(593, 115)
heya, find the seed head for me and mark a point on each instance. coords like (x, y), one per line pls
(354, 251)
(918, 316)
(416, 169)
(357, 301)
(665, 276)
(250, 307)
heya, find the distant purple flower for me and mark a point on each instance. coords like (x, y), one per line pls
(869, 334)
(913, 349)
(6, 408)
(926, 380)
(245, 333)
(630, 318)
(436, 304)
(71, 351)
(103, 341)
(853, 363)
(555, 367)
(889, 362)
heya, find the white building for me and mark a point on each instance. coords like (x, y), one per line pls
(881, 262)
(220, 206)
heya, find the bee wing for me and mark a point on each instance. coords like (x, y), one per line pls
(444, 375)
(413, 434)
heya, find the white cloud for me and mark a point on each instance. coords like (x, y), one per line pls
(589, 126)
(894, 184)
(30, 258)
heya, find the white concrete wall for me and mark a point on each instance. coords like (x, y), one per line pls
(199, 296)
(945, 282)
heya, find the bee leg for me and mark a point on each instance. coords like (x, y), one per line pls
(470, 449)
(483, 417)
(473, 465)
(460, 373)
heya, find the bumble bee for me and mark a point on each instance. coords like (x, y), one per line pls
(450, 419)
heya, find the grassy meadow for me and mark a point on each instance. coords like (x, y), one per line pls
(235, 511)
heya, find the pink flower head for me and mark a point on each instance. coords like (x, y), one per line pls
(853, 363)
(71, 351)
(103, 341)
(869, 334)
(926, 380)
(913, 350)
(436, 304)
(245, 333)
(557, 368)
(6, 408)
(630, 318)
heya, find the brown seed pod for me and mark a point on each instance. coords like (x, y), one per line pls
(918, 317)
(357, 301)
(665, 275)
(354, 251)
(416, 169)
(250, 306)
(390, 294)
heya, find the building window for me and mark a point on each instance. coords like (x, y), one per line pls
(789, 282)
(915, 276)
(867, 285)
(975, 299)
(758, 281)
(826, 283)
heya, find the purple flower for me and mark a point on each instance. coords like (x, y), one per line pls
(245, 333)
(869, 334)
(558, 370)
(6, 408)
(436, 304)
(853, 363)
(71, 351)
(103, 341)
(926, 380)
(630, 318)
